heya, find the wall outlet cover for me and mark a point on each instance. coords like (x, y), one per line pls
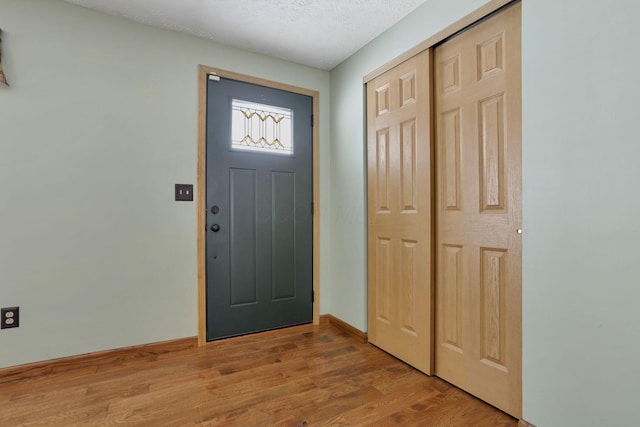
(10, 317)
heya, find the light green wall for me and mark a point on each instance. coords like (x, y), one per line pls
(581, 242)
(99, 123)
(581, 202)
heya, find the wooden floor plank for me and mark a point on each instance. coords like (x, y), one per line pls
(300, 377)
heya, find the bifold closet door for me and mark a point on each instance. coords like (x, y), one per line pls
(479, 250)
(400, 315)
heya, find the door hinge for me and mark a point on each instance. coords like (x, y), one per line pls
(313, 209)
(313, 296)
(312, 121)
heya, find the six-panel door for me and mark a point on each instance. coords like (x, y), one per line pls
(399, 212)
(478, 211)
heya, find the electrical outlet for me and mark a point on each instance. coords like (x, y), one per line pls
(10, 317)
(184, 192)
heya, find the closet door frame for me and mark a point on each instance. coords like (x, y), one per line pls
(470, 19)
(490, 8)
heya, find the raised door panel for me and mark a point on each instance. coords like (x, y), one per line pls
(382, 171)
(283, 234)
(493, 284)
(408, 167)
(490, 56)
(408, 294)
(491, 124)
(384, 267)
(449, 149)
(450, 295)
(243, 286)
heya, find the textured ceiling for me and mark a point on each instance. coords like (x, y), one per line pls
(318, 33)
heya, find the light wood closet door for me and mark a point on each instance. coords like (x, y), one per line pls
(479, 261)
(399, 212)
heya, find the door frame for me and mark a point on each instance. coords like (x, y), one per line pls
(477, 15)
(203, 77)
(484, 11)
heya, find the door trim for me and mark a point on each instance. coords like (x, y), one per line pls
(203, 73)
(468, 20)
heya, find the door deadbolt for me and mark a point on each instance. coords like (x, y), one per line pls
(215, 209)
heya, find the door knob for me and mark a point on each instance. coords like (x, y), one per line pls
(215, 228)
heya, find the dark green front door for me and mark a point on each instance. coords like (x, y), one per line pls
(259, 194)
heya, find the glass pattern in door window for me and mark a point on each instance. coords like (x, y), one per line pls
(261, 128)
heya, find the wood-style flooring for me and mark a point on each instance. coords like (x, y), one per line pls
(302, 376)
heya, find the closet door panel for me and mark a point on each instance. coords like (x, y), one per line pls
(478, 192)
(400, 315)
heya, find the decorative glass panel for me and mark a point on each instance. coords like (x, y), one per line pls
(262, 128)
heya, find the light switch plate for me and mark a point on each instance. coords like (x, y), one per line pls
(184, 192)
